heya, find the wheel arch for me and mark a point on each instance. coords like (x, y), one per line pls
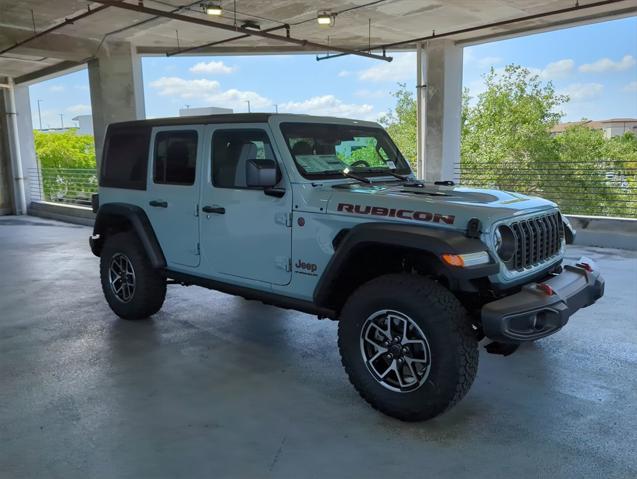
(371, 249)
(117, 217)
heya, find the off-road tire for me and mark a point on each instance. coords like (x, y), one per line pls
(150, 284)
(444, 322)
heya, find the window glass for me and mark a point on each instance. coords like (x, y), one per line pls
(175, 157)
(231, 151)
(325, 150)
(125, 158)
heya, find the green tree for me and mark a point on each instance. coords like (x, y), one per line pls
(401, 123)
(64, 150)
(507, 142)
(67, 166)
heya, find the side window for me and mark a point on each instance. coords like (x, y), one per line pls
(175, 157)
(231, 151)
(125, 160)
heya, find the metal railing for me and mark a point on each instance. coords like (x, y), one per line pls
(71, 186)
(606, 188)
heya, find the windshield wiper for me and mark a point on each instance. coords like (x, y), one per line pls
(346, 172)
(396, 175)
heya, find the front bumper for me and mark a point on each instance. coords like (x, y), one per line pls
(542, 309)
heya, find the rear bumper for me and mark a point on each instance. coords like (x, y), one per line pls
(538, 311)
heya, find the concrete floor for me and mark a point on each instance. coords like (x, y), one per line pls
(216, 386)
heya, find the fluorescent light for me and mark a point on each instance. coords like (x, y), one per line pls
(325, 19)
(214, 9)
(251, 26)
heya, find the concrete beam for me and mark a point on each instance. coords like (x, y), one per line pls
(53, 45)
(117, 91)
(440, 105)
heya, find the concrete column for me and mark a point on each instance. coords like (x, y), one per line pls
(6, 184)
(442, 109)
(11, 136)
(27, 145)
(117, 91)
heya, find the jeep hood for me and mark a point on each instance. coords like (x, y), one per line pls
(462, 203)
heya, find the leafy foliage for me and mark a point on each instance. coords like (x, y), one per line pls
(64, 150)
(67, 166)
(401, 124)
(507, 144)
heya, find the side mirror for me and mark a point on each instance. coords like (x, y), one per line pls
(262, 173)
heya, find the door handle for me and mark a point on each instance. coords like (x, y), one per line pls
(158, 203)
(220, 210)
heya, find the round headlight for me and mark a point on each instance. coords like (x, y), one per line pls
(504, 240)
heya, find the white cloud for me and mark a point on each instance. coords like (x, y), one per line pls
(582, 91)
(344, 73)
(329, 105)
(403, 67)
(365, 93)
(212, 68)
(209, 92)
(484, 62)
(558, 69)
(607, 65)
(631, 87)
(79, 109)
(57, 88)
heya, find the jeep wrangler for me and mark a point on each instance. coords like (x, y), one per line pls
(324, 216)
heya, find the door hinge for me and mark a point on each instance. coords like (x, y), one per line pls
(197, 210)
(284, 219)
(284, 263)
(198, 249)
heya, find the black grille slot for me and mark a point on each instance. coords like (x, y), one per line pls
(537, 239)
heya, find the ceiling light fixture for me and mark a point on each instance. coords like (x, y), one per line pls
(213, 9)
(326, 19)
(250, 25)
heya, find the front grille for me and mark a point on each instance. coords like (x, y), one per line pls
(537, 239)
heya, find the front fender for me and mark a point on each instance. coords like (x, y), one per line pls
(434, 241)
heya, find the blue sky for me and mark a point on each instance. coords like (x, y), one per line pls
(596, 65)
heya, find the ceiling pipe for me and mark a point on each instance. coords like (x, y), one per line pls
(67, 21)
(219, 42)
(482, 27)
(222, 26)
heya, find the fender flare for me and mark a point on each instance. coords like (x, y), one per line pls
(434, 241)
(111, 213)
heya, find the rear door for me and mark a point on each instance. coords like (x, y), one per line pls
(246, 233)
(173, 192)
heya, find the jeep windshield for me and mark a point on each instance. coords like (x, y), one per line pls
(326, 150)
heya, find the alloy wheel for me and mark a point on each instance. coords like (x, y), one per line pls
(395, 351)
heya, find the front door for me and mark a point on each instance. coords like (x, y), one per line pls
(245, 233)
(174, 191)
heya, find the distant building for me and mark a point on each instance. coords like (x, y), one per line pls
(611, 128)
(208, 110)
(85, 123)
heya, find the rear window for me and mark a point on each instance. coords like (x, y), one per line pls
(175, 157)
(125, 159)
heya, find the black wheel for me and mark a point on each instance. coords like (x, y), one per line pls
(407, 346)
(132, 287)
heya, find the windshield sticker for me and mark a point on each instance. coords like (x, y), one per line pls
(390, 164)
(396, 213)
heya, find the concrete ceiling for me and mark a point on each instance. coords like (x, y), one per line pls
(391, 21)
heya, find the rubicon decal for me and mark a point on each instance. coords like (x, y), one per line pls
(396, 213)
